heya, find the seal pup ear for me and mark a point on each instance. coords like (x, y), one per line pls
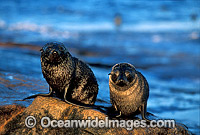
(131, 65)
(111, 73)
(41, 50)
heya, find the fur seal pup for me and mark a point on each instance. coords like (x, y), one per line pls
(129, 90)
(68, 77)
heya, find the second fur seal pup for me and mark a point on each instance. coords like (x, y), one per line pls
(68, 77)
(129, 90)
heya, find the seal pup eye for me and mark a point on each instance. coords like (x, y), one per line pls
(117, 73)
(114, 75)
(49, 49)
(61, 49)
(127, 73)
(114, 72)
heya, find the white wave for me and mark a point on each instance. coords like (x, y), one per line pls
(44, 30)
(141, 27)
(28, 27)
(103, 26)
(66, 30)
(163, 26)
(2, 24)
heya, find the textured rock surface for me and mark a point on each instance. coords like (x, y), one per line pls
(13, 122)
(7, 113)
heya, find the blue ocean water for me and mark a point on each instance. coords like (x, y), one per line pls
(64, 20)
(160, 38)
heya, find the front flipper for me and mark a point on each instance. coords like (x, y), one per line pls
(43, 95)
(143, 110)
(119, 115)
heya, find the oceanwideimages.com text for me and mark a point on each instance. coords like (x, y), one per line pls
(46, 122)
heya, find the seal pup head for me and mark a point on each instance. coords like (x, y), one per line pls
(53, 52)
(122, 74)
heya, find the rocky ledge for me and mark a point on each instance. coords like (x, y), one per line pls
(12, 120)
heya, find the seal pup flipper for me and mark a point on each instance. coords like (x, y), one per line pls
(98, 107)
(144, 111)
(43, 95)
(65, 98)
(120, 113)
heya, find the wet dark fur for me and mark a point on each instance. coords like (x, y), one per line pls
(68, 77)
(129, 90)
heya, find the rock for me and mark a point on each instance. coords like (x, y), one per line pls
(56, 109)
(7, 113)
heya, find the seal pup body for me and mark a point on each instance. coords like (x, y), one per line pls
(68, 77)
(129, 90)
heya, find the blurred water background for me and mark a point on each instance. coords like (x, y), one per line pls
(160, 38)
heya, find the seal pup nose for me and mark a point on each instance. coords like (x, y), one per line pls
(55, 53)
(121, 82)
